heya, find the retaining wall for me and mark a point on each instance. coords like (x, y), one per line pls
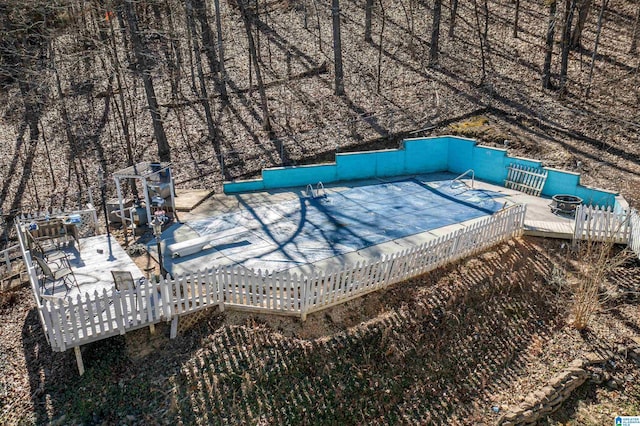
(423, 155)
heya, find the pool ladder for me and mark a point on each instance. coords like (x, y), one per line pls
(459, 178)
(318, 192)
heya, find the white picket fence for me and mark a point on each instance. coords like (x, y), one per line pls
(594, 223)
(529, 180)
(634, 232)
(74, 322)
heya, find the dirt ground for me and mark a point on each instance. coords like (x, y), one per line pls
(460, 345)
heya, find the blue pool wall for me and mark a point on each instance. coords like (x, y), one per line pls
(423, 155)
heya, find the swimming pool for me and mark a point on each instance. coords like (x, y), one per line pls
(286, 234)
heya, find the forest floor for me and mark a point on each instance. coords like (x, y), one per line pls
(460, 345)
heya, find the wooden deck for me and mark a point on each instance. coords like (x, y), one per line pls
(92, 266)
(548, 229)
(187, 200)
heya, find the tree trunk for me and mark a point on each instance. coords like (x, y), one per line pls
(410, 32)
(123, 31)
(548, 50)
(266, 122)
(175, 67)
(482, 36)
(64, 114)
(207, 35)
(66, 121)
(223, 70)
(636, 33)
(315, 7)
(435, 33)
(164, 48)
(452, 20)
(368, 12)
(32, 111)
(583, 13)
(54, 183)
(256, 18)
(380, 47)
(337, 48)
(595, 46)
(121, 108)
(515, 19)
(142, 66)
(566, 44)
(204, 96)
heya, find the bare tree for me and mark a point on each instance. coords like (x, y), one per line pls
(204, 96)
(368, 12)
(317, 13)
(603, 6)
(583, 13)
(452, 19)
(435, 33)
(570, 7)
(247, 20)
(143, 67)
(516, 18)
(66, 121)
(483, 32)
(164, 47)
(635, 32)
(120, 106)
(174, 61)
(548, 50)
(409, 17)
(380, 47)
(25, 30)
(223, 70)
(337, 48)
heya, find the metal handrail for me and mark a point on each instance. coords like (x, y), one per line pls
(310, 193)
(459, 178)
(318, 192)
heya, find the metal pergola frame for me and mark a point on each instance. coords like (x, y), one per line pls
(146, 172)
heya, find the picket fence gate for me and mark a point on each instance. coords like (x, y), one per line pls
(529, 180)
(602, 224)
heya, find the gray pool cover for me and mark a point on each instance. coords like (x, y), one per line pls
(291, 233)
